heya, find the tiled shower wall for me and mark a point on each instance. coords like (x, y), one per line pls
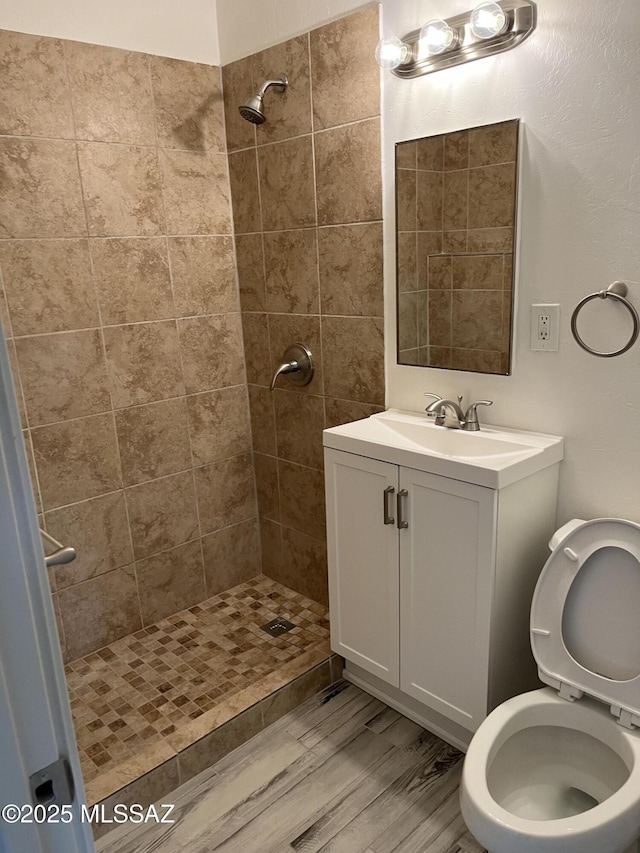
(121, 308)
(306, 190)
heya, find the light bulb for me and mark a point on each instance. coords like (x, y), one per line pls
(487, 20)
(391, 52)
(436, 37)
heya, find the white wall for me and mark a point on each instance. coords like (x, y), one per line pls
(182, 29)
(247, 26)
(574, 84)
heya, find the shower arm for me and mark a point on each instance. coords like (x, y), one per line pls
(252, 110)
(280, 83)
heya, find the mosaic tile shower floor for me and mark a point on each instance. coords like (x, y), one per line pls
(151, 694)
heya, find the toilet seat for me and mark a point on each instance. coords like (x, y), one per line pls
(585, 615)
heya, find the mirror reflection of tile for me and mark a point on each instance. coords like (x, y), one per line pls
(456, 220)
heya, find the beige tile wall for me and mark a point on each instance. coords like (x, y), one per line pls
(456, 202)
(120, 303)
(306, 191)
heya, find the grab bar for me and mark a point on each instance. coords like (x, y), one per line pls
(62, 554)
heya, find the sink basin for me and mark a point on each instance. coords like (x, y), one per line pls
(492, 457)
(447, 442)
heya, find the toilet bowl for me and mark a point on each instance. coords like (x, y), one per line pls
(545, 773)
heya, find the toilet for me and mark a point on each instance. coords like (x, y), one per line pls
(557, 770)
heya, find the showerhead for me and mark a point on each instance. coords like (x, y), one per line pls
(252, 109)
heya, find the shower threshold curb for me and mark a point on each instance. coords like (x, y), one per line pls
(158, 771)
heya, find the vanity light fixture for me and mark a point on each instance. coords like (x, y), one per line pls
(487, 21)
(391, 52)
(436, 37)
(487, 29)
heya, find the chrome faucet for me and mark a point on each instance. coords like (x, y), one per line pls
(446, 412)
(450, 415)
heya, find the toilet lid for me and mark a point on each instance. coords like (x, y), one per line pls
(585, 615)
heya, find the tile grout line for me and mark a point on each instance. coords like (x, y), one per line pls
(242, 331)
(315, 201)
(87, 141)
(96, 297)
(271, 406)
(3, 293)
(156, 321)
(118, 410)
(99, 310)
(196, 502)
(27, 428)
(351, 223)
(113, 238)
(302, 135)
(417, 277)
(142, 482)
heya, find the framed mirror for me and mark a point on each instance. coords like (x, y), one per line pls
(456, 219)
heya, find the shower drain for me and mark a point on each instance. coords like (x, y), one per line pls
(277, 626)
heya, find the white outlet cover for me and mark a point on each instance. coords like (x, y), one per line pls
(540, 343)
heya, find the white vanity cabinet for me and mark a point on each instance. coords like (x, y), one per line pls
(412, 605)
(433, 617)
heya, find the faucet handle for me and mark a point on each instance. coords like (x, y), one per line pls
(432, 413)
(471, 418)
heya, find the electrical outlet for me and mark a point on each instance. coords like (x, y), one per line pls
(545, 327)
(544, 323)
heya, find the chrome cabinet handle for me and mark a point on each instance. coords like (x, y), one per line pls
(388, 518)
(402, 522)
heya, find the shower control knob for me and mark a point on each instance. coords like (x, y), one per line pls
(298, 362)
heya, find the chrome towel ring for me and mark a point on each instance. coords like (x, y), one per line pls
(618, 291)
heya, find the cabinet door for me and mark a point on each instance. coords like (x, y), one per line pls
(363, 562)
(446, 558)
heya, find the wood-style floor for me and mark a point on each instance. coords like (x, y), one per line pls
(343, 773)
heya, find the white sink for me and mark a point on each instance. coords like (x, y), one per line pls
(492, 457)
